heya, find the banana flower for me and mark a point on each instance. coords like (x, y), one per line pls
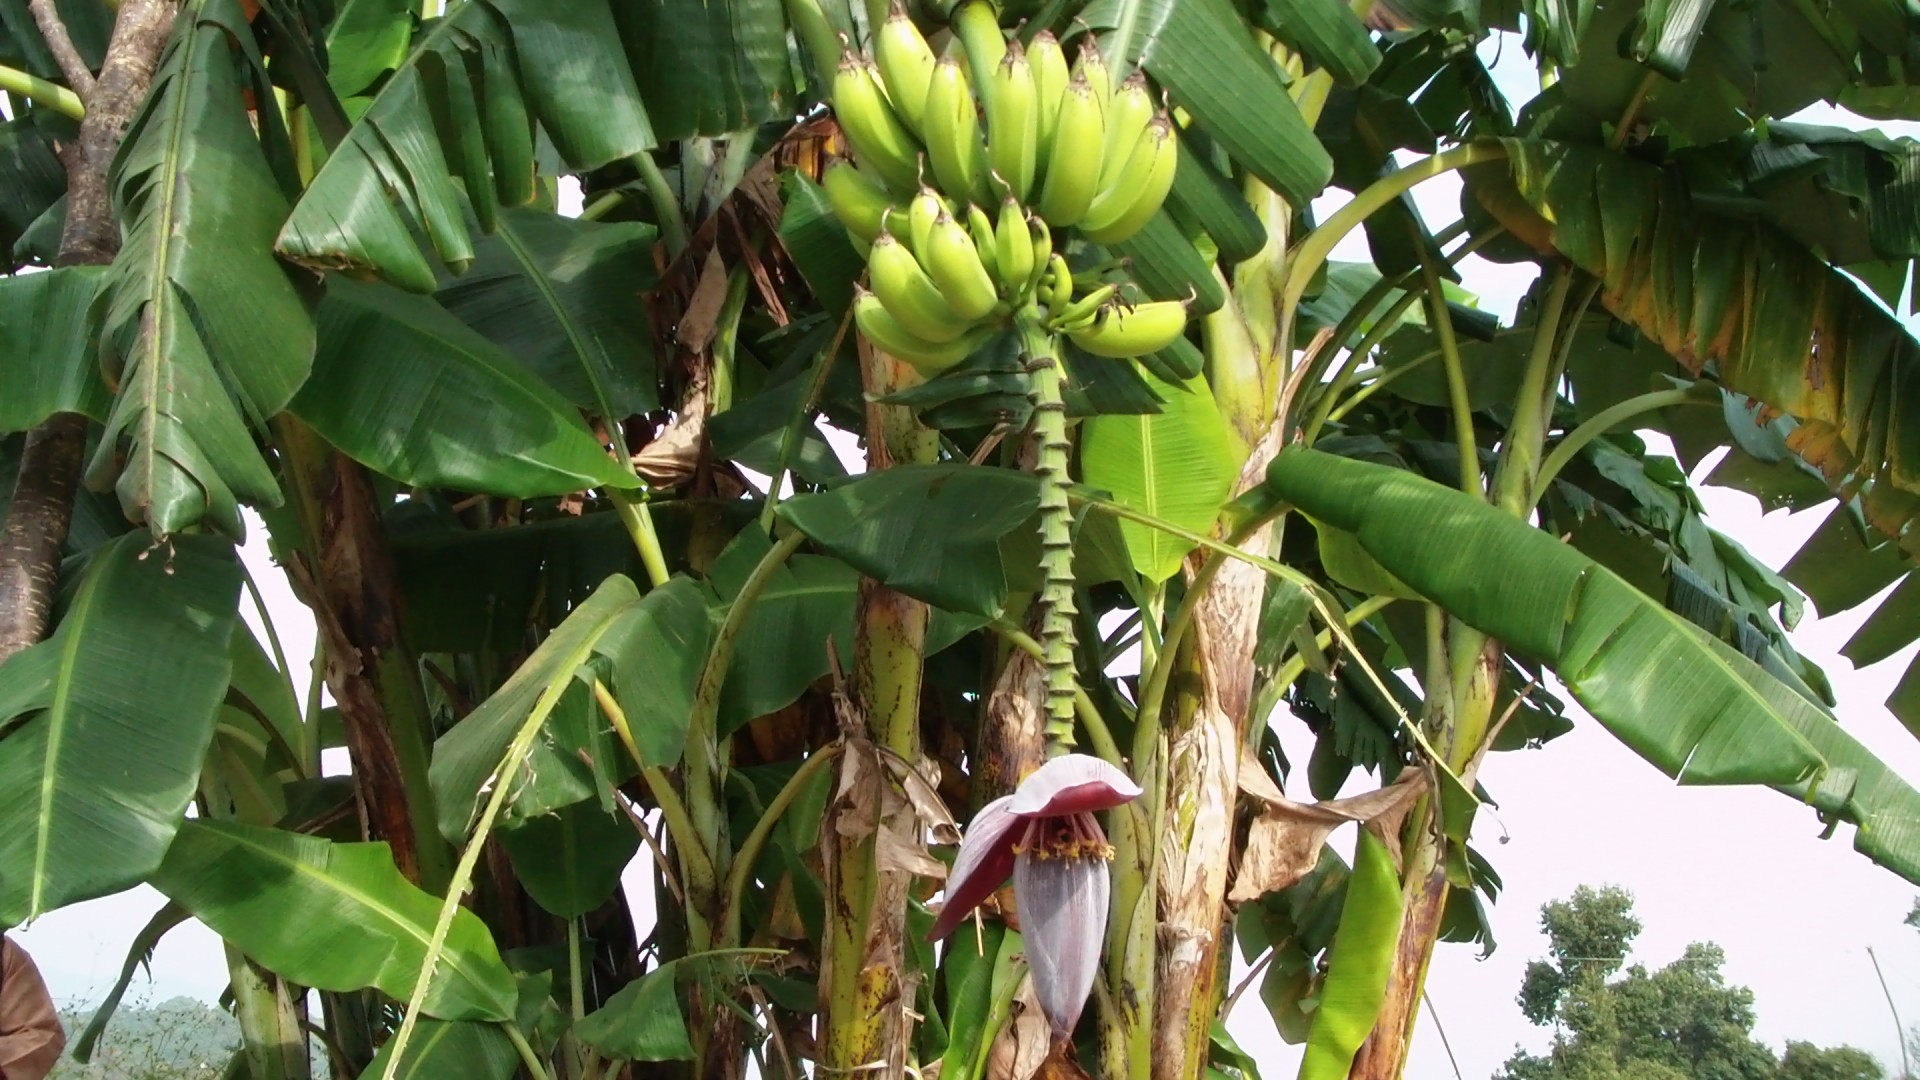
(1046, 838)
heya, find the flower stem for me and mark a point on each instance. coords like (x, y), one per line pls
(1057, 607)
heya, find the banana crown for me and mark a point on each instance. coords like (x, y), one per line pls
(966, 166)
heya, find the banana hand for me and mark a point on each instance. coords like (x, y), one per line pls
(1122, 332)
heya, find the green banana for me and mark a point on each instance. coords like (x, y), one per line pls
(885, 333)
(1013, 122)
(1127, 116)
(880, 141)
(952, 128)
(1078, 314)
(909, 294)
(1121, 332)
(906, 66)
(1042, 251)
(1013, 249)
(1056, 289)
(1079, 140)
(926, 206)
(980, 228)
(1121, 210)
(1050, 77)
(1091, 66)
(977, 24)
(857, 199)
(954, 263)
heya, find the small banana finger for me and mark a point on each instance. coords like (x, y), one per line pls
(1122, 332)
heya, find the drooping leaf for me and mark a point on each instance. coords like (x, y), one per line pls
(195, 369)
(467, 759)
(332, 916)
(1359, 963)
(1616, 649)
(656, 652)
(562, 296)
(709, 69)
(1177, 465)
(1328, 32)
(406, 389)
(106, 722)
(930, 531)
(570, 860)
(642, 1022)
(453, 127)
(44, 332)
(1214, 202)
(366, 39)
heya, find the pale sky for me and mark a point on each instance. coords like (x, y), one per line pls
(1741, 867)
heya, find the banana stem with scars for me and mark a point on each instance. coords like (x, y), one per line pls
(1041, 352)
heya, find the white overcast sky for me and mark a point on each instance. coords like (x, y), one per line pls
(1744, 868)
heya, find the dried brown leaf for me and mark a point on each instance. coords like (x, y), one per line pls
(697, 326)
(1022, 1046)
(1285, 840)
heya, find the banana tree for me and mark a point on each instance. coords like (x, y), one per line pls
(567, 496)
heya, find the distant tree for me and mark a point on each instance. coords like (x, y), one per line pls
(179, 1039)
(1680, 1022)
(1804, 1061)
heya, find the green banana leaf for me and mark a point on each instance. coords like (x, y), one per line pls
(1177, 465)
(1780, 325)
(407, 390)
(332, 916)
(44, 334)
(930, 531)
(468, 1049)
(656, 653)
(466, 760)
(1168, 267)
(642, 1022)
(1214, 202)
(21, 44)
(103, 726)
(1358, 965)
(1327, 31)
(967, 977)
(473, 1049)
(195, 369)
(561, 296)
(31, 177)
(1696, 708)
(570, 860)
(817, 242)
(707, 69)
(453, 128)
(365, 40)
(1615, 648)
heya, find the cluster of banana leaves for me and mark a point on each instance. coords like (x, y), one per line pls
(517, 464)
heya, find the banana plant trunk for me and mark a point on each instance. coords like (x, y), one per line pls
(868, 990)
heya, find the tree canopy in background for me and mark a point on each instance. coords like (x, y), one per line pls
(1681, 1020)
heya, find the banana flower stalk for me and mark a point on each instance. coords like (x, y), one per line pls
(1046, 838)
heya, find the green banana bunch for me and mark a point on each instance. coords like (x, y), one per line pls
(938, 140)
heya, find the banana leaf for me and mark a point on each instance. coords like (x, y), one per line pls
(1690, 704)
(332, 916)
(44, 334)
(409, 391)
(1359, 963)
(1177, 465)
(196, 370)
(104, 725)
(453, 128)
